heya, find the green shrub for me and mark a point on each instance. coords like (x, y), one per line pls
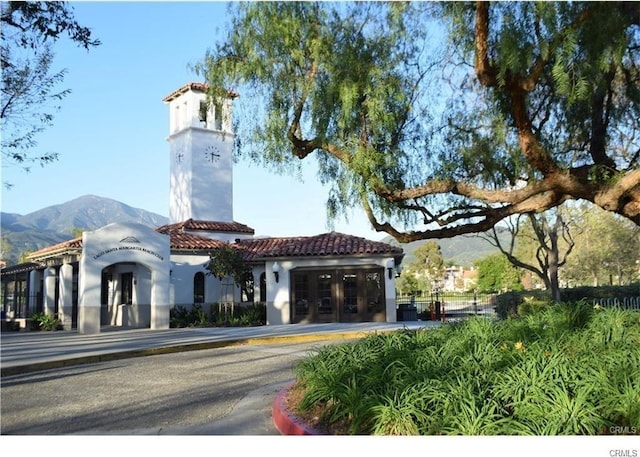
(42, 321)
(508, 304)
(180, 316)
(531, 305)
(562, 369)
(579, 293)
(219, 316)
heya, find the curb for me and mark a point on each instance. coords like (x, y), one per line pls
(287, 423)
(107, 357)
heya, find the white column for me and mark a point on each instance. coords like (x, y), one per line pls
(34, 288)
(65, 307)
(278, 306)
(160, 298)
(89, 288)
(256, 285)
(390, 291)
(49, 292)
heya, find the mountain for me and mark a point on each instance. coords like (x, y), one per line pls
(57, 223)
(462, 250)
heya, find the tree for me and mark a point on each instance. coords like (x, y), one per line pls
(76, 232)
(607, 248)
(5, 249)
(30, 93)
(408, 284)
(458, 115)
(497, 274)
(228, 262)
(540, 243)
(421, 273)
(428, 261)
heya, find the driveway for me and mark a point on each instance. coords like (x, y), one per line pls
(223, 391)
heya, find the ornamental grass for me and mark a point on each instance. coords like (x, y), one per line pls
(568, 369)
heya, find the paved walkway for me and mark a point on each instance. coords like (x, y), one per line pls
(201, 381)
(22, 352)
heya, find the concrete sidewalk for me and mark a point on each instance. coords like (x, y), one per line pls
(205, 381)
(24, 352)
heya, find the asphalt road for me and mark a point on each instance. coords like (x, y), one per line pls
(223, 391)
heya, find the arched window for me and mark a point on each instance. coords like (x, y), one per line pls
(198, 288)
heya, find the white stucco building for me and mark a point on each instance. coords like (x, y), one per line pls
(131, 275)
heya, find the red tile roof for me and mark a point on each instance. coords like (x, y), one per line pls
(70, 246)
(323, 245)
(181, 241)
(206, 226)
(196, 87)
(326, 244)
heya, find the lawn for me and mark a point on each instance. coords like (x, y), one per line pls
(567, 369)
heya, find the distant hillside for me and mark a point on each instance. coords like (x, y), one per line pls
(56, 223)
(462, 250)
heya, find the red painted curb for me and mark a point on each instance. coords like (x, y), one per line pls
(287, 423)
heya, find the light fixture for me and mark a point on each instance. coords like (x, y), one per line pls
(390, 264)
(276, 271)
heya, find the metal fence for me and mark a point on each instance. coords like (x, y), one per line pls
(442, 306)
(629, 303)
(446, 306)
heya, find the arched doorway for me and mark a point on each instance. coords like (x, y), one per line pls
(126, 266)
(125, 295)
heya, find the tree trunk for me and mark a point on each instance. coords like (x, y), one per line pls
(553, 260)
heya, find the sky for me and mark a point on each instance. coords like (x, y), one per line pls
(111, 130)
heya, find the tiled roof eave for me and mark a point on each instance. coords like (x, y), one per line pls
(196, 251)
(196, 87)
(332, 256)
(20, 268)
(35, 257)
(194, 227)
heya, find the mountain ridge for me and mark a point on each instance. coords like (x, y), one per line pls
(56, 223)
(462, 250)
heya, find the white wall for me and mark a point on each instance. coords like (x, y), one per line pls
(183, 269)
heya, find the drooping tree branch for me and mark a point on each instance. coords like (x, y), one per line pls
(530, 122)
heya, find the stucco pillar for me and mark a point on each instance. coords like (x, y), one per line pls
(89, 288)
(390, 292)
(66, 295)
(34, 288)
(49, 292)
(160, 280)
(256, 286)
(278, 307)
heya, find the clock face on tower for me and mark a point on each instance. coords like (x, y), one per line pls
(212, 154)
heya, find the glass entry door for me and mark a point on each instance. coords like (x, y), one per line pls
(340, 295)
(313, 295)
(325, 309)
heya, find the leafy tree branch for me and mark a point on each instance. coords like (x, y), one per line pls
(452, 116)
(30, 93)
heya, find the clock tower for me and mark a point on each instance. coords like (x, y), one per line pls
(201, 162)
